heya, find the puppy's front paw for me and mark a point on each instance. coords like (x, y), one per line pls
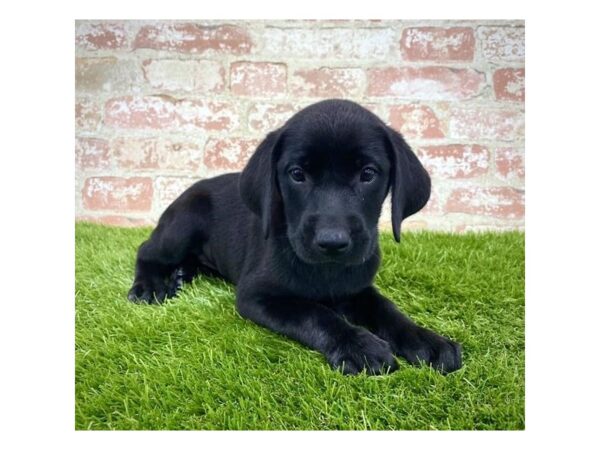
(363, 351)
(422, 346)
(150, 290)
(155, 289)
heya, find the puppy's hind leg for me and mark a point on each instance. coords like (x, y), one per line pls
(164, 261)
(157, 275)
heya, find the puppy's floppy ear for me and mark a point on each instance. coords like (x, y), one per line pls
(258, 181)
(410, 182)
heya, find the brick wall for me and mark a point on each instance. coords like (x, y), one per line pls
(161, 104)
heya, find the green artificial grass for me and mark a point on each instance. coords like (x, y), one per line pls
(194, 363)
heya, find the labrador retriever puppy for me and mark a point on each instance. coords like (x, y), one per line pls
(296, 232)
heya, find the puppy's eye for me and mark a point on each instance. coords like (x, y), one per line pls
(297, 174)
(367, 175)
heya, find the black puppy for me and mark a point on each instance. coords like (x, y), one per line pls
(296, 231)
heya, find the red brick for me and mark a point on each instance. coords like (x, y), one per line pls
(455, 161)
(192, 38)
(164, 112)
(117, 221)
(425, 83)
(259, 79)
(502, 43)
(501, 202)
(141, 112)
(106, 75)
(118, 194)
(91, 153)
(201, 76)
(228, 154)
(207, 115)
(509, 84)
(100, 36)
(438, 44)
(483, 123)
(265, 117)
(416, 121)
(88, 116)
(328, 82)
(510, 163)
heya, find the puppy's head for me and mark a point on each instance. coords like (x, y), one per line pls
(323, 177)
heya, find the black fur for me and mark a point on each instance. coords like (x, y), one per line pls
(296, 232)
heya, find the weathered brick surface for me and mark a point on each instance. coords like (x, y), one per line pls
(265, 117)
(183, 155)
(455, 161)
(425, 83)
(160, 104)
(97, 75)
(486, 124)
(509, 84)
(91, 153)
(334, 43)
(141, 112)
(416, 121)
(135, 153)
(228, 154)
(164, 112)
(258, 79)
(132, 154)
(88, 115)
(180, 75)
(328, 82)
(502, 43)
(510, 163)
(116, 193)
(194, 38)
(100, 36)
(438, 44)
(501, 202)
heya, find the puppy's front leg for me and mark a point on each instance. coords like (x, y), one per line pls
(345, 346)
(414, 343)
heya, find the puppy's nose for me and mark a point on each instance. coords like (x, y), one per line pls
(332, 240)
